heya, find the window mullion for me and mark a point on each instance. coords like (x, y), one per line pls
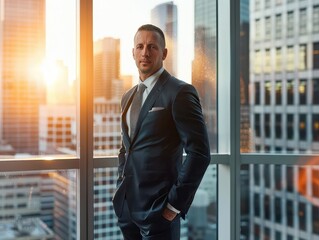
(85, 128)
(228, 120)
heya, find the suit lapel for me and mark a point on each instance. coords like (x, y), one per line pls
(126, 103)
(150, 100)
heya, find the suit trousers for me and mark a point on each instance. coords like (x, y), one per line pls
(159, 229)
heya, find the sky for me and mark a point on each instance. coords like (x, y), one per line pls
(118, 19)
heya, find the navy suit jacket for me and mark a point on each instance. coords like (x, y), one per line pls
(151, 167)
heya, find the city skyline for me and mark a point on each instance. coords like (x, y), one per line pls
(61, 31)
(281, 103)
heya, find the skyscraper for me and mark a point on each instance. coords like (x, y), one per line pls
(204, 63)
(106, 66)
(284, 80)
(165, 17)
(22, 88)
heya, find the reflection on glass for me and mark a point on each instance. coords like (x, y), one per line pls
(38, 205)
(282, 201)
(37, 78)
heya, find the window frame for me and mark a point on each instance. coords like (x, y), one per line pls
(229, 158)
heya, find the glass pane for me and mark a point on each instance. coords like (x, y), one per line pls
(200, 223)
(190, 29)
(37, 78)
(38, 205)
(279, 62)
(282, 203)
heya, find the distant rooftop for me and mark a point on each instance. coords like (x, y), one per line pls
(25, 229)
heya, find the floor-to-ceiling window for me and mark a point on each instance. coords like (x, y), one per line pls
(64, 66)
(287, 36)
(38, 120)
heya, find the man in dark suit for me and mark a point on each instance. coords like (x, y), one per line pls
(155, 186)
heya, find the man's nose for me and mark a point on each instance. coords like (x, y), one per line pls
(145, 51)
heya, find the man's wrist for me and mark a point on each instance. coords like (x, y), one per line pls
(169, 214)
(170, 207)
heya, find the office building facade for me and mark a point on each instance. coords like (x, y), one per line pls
(284, 114)
(165, 17)
(22, 40)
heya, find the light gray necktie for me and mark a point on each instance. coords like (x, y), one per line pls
(136, 107)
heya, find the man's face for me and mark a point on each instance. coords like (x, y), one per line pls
(148, 53)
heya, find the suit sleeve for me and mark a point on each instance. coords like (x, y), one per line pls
(190, 124)
(121, 156)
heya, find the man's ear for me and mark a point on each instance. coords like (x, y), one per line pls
(133, 53)
(164, 53)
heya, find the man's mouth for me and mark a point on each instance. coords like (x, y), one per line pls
(145, 61)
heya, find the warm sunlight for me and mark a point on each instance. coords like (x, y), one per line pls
(50, 70)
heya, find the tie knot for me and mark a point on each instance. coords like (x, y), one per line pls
(141, 87)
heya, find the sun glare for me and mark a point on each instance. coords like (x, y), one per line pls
(50, 71)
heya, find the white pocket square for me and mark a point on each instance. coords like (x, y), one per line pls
(154, 109)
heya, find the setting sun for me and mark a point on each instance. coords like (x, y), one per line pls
(50, 70)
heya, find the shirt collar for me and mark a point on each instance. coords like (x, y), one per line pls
(151, 80)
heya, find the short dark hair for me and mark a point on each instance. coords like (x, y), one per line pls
(153, 28)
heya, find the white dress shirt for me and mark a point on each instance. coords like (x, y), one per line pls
(149, 83)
